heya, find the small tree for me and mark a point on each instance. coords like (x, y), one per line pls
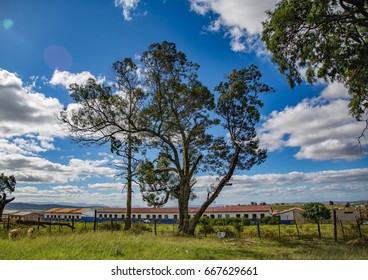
(7, 186)
(315, 212)
(238, 226)
(106, 114)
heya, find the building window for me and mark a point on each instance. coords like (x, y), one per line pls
(148, 216)
(116, 216)
(133, 216)
(154, 216)
(175, 217)
(219, 216)
(254, 216)
(139, 216)
(123, 216)
(100, 215)
(212, 216)
(166, 216)
(238, 215)
(105, 216)
(262, 216)
(246, 216)
(227, 215)
(160, 216)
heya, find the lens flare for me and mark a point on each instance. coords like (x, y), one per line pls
(8, 23)
(57, 57)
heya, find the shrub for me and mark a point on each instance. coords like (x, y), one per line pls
(138, 228)
(206, 227)
(270, 220)
(109, 226)
(228, 231)
(239, 227)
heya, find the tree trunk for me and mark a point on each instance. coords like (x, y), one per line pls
(223, 182)
(183, 214)
(319, 229)
(128, 218)
(3, 203)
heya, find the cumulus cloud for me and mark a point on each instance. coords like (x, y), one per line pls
(23, 111)
(38, 170)
(128, 6)
(70, 194)
(290, 187)
(240, 20)
(107, 186)
(66, 78)
(321, 127)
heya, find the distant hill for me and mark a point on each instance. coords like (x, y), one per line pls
(42, 207)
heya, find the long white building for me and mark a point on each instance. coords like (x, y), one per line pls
(164, 215)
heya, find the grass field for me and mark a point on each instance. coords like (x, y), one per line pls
(85, 244)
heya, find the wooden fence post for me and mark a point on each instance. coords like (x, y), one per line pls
(258, 228)
(335, 224)
(8, 224)
(38, 223)
(297, 229)
(343, 231)
(95, 221)
(359, 230)
(155, 227)
(72, 223)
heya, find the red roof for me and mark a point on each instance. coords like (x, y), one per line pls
(218, 209)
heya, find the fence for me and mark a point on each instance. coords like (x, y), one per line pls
(338, 231)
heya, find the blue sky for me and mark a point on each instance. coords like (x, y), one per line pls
(46, 45)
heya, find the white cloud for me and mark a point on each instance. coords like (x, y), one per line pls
(70, 194)
(23, 111)
(66, 78)
(128, 6)
(107, 186)
(321, 127)
(289, 187)
(37, 170)
(240, 19)
(335, 90)
(68, 189)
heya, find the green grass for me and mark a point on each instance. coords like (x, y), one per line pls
(83, 244)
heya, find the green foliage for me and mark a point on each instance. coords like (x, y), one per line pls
(206, 226)
(139, 228)
(7, 184)
(103, 245)
(169, 111)
(315, 212)
(274, 220)
(329, 38)
(239, 227)
(109, 226)
(229, 231)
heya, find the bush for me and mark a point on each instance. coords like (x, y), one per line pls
(109, 226)
(239, 227)
(228, 231)
(138, 228)
(270, 220)
(206, 226)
